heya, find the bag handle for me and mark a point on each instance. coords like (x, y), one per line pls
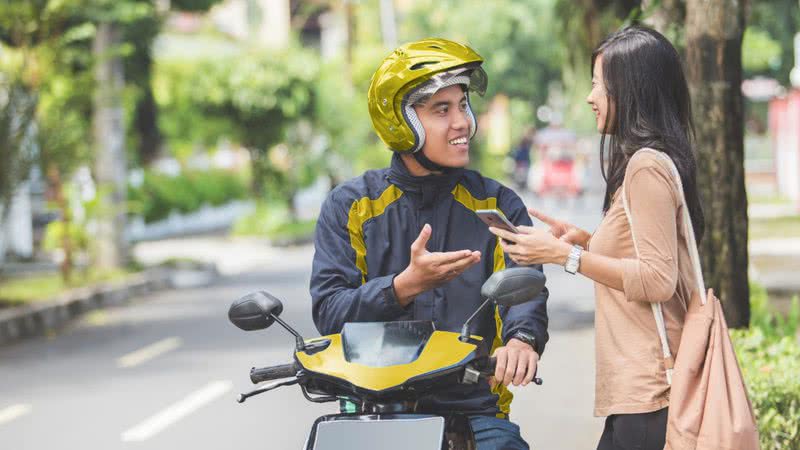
(694, 255)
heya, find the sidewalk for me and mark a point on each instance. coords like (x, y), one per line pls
(49, 315)
(775, 261)
(775, 264)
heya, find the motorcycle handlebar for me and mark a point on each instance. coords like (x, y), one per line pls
(491, 364)
(257, 375)
(487, 368)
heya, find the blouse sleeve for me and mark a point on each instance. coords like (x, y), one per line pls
(653, 209)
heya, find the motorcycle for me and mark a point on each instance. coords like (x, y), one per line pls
(385, 368)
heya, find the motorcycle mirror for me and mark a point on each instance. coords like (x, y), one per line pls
(255, 311)
(508, 287)
(513, 286)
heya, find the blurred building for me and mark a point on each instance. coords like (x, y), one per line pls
(784, 127)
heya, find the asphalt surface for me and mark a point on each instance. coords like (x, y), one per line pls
(163, 371)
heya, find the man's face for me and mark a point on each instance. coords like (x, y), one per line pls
(446, 123)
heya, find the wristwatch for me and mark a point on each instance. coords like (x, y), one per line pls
(526, 338)
(573, 260)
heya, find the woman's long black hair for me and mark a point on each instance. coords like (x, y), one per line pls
(645, 83)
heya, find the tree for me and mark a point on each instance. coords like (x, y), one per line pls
(17, 108)
(520, 56)
(139, 33)
(769, 38)
(43, 49)
(109, 142)
(253, 98)
(714, 30)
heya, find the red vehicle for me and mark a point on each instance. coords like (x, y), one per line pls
(556, 169)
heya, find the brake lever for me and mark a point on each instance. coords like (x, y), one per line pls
(242, 397)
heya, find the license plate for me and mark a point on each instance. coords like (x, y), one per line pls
(393, 434)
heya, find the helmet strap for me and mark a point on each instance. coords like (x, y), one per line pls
(427, 163)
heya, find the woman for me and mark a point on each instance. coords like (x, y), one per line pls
(641, 102)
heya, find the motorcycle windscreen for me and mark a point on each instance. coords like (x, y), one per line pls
(381, 344)
(396, 434)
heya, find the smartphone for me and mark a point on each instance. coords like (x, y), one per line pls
(497, 219)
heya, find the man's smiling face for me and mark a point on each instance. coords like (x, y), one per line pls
(447, 127)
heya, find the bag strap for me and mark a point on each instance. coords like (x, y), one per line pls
(694, 255)
(658, 314)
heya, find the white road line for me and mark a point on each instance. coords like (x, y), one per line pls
(147, 353)
(14, 412)
(177, 411)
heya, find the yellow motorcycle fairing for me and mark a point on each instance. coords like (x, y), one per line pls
(443, 350)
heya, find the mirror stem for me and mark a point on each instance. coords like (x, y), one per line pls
(465, 328)
(299, 341)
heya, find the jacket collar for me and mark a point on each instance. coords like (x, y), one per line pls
(399, 175)
(429, 186)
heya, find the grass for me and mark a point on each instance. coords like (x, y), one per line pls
(779, 227)
(23, 290)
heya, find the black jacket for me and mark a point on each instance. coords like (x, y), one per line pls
(363, 240)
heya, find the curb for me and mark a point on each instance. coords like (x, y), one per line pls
(42, 317)
(291, 242)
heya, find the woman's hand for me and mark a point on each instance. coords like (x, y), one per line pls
(532, 246)
(565, 231)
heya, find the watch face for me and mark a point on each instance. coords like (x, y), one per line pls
(571, 266)
(573, 260)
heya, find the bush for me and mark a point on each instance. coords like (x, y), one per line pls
(769, 354)
(217, 187)
(273, 221)
(161, 194)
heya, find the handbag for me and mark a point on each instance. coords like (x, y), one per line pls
(709, 406)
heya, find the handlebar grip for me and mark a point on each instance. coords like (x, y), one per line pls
(491, 364)
(257, 375)
(487, 366)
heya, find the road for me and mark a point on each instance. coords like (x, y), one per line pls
(162, 372)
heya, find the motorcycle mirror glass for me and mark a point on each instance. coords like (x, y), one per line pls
(255, 311)
(513, 286)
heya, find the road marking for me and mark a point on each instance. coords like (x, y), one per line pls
(177, 411)
(147, 353)
(14, 412)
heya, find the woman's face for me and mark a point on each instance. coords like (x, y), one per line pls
(598, 98)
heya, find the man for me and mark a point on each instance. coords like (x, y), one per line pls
(404, 243)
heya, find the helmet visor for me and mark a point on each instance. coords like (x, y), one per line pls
(474, 78)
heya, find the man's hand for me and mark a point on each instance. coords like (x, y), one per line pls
(516, 363)
(564, 231)
(428, 270)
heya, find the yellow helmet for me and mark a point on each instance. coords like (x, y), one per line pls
(409, 73)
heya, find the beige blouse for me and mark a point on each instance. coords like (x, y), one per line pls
(631, 374)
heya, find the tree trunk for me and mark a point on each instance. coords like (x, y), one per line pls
(109, 141)
(146, 122)
(661, 14)
(714, 31)
(54, 178)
